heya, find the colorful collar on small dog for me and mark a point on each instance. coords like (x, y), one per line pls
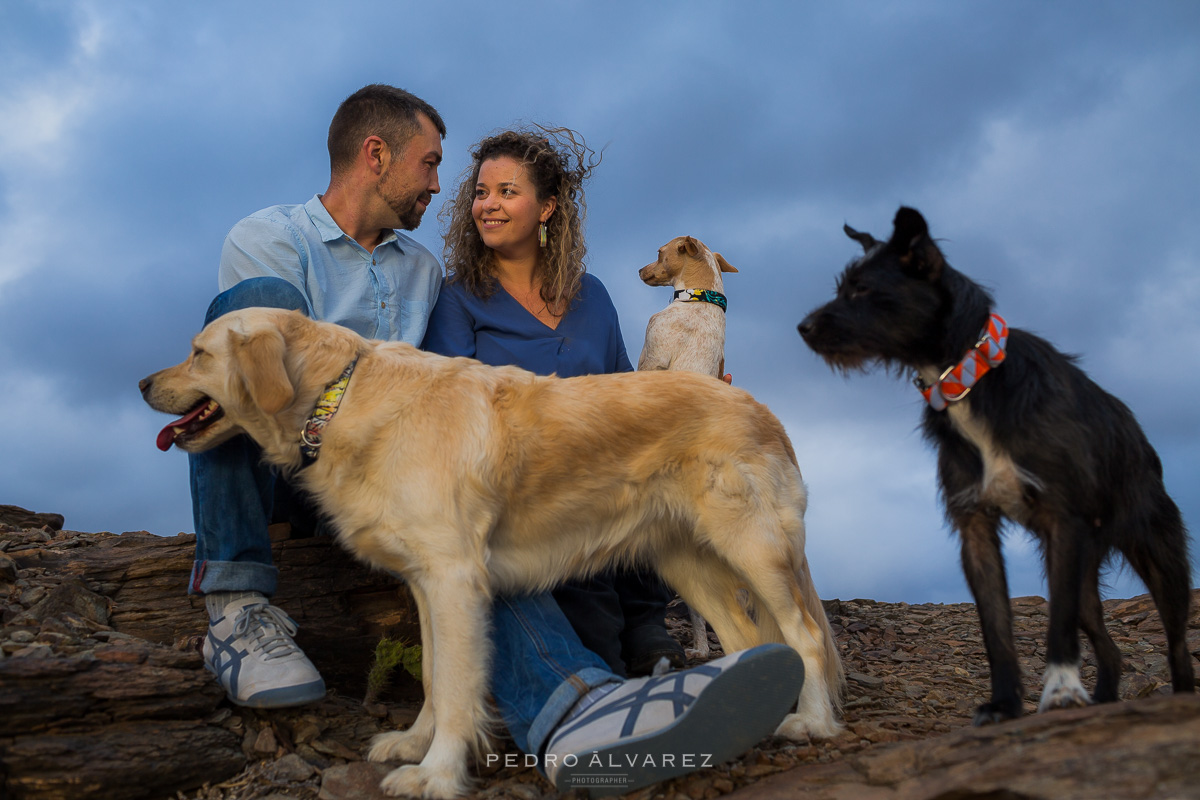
(956, 381)
(702, 296)
(327, 406)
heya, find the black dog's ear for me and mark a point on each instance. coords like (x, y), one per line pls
(910, 241)
(908, 225)
(865, 239)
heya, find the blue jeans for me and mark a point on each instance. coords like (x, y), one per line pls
(540, 667)
(233, 491)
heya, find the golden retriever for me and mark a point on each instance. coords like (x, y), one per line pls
(471, 480)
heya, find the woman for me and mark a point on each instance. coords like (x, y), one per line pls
(517, 293)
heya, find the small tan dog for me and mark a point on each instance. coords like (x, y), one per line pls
(689, 334)
(470, 480)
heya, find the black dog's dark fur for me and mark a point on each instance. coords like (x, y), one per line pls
(1089, 480)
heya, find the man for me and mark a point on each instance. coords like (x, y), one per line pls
(339, 258)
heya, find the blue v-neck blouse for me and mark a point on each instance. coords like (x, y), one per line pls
(500, 331)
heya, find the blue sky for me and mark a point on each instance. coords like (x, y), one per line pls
(1051, 146)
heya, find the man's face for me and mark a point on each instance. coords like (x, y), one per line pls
(410, 179)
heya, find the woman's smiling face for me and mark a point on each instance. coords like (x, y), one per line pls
(506, 208)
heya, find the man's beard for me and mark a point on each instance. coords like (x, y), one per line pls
(405, 206)
(408, 210)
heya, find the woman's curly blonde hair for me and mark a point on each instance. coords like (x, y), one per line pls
(558, 162)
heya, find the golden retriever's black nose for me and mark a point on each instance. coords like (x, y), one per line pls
(144, 385)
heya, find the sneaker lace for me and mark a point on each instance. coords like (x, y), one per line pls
(270, 629)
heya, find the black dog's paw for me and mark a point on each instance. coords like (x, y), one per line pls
(994, 712)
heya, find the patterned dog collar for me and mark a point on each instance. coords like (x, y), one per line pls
(956, 382)
(702, 296)
(327, 406)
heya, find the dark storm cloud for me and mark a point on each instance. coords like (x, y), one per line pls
(1048, 145)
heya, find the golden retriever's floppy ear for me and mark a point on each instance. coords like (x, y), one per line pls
(259, 359)
(723, 264)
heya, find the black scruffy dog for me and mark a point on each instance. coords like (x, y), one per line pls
(1034, 441)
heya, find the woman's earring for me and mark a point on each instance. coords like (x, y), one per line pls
(542, 234)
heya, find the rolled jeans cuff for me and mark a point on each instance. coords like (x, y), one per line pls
(561, 701)
(233, 576)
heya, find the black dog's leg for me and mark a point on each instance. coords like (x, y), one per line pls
(983, 566)
(1065, 567)
(1091, 619)
(1159, 556)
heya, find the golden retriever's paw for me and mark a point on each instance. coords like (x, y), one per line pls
(799, 728)
(409, 746)
(415, 780)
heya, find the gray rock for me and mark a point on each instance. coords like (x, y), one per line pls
(357, 781)
(292, 768)
(22, 518)
(8, 569)
(73, 596)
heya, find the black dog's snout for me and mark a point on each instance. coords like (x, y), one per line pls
(808, 327)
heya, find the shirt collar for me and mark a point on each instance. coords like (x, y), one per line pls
(329, 229)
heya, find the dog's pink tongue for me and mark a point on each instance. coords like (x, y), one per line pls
(166, 437)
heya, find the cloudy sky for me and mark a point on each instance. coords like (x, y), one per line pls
(1050, 145)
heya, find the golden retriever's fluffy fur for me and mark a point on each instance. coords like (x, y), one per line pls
(471, 480)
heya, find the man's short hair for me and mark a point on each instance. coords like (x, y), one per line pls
(376, 110)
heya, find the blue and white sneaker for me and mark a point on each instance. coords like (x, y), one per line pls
(647, 730)
(250, 650)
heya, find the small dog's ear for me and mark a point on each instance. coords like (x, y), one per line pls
(865, 239)
(259, 358)
(912, 244)
(690, 246)
(723, 264)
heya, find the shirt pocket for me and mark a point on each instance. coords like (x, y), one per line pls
(414, 318)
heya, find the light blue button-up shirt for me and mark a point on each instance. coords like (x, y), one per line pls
(387, 294)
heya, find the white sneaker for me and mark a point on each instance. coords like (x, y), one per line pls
(647, 730)
(250, 650)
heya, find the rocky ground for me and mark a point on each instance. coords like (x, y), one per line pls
(915, 674)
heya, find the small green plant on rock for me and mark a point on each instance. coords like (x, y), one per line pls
(389, 654)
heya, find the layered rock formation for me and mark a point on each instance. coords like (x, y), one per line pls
(103, 694)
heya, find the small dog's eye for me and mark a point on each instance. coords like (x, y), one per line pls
(858, 289)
